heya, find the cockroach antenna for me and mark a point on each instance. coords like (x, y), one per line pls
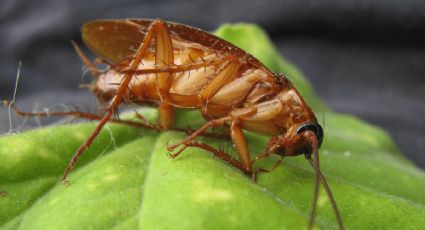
(318, 177)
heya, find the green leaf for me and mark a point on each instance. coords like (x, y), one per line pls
(126, 181)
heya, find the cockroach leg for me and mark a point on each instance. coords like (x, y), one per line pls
(104, 61)
(212, 134)
(262, 155)
(223, 77)
(89, 116)
(262, 170)
(164, 57)
(165, 115)
(142, 118)
(117, 99)
(200, 131)
(237, 136)
(177, 68)
(145, 124)
(220, 132)
(241, 145)
(217, 152)
(148, 123)
(90, 66)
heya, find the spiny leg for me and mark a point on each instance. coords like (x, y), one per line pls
(178, 68)
(187, 130)
(164, 57)
(217, 152)
(95, 117)
(222, 132)
(262, 170)
(222, 77)
(117, 99)
(241, 145)
(166, 114)
(237, 137)
(171, 68)
(147, 122)
(164, 67)
(209, 91)
(85, 115)
(90, 66)
(242, 148)
(266, 153)
(200, 131)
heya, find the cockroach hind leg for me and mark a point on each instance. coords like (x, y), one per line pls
(116, 101)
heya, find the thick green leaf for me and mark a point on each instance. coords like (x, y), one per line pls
(126, 181)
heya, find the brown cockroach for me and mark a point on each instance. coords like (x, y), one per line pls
(153, 61)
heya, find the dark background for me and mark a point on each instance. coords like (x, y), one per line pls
(363, 57)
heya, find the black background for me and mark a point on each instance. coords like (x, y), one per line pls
(363, 57)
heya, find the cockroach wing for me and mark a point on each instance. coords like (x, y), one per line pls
(112, 40)
(117, 39)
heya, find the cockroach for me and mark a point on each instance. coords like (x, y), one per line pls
(178, 66)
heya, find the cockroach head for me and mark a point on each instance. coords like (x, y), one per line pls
(297, 140)
(315, 128)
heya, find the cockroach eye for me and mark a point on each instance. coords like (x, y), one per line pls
(316, 128)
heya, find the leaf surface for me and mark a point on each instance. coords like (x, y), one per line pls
(126, 181)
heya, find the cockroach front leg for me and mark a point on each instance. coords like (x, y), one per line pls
(238, 139)
(242, 149)
(262, 170)
(212, 123)
(217, 152)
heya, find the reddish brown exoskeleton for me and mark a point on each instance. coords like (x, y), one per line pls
(153, 61)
